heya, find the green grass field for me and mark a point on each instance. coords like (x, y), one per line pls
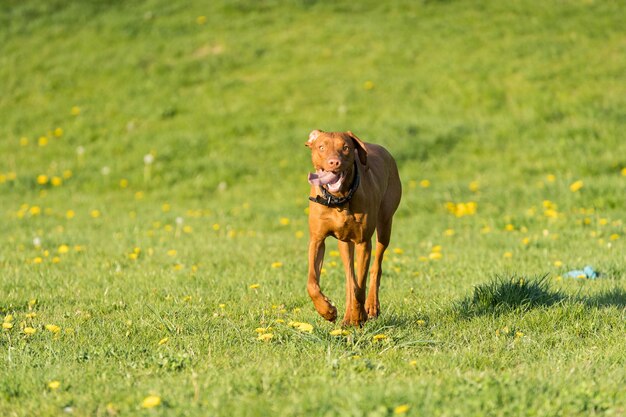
(153, 202)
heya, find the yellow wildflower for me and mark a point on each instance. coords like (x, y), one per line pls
(507, 255)
(151, 401)
(265, 337)
(23, 141)
(42, 141)
(172, 252)
(379, 336)
(254, 286)
(449, 232)
(53, 328)
(63, 249)
(424, 183)
(95, 213)
(42, 179)
(163, 341)
(123, 183)
(29, 330)
(368, 85)
(576, 186)
(7, 325)
(401, 409)
(54, 385)
(474, 186)
(201, 20)
(304, 327)
(339, 332)
(398, 251)
(277, 264)
(435, 255)
(284, 221)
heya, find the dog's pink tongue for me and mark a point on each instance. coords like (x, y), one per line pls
(321, 177)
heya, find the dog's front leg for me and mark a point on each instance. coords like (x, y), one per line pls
(355, 287)
(316, 258)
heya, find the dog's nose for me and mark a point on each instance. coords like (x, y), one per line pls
(334, 163)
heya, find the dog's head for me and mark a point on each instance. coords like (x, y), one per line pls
(333, 155)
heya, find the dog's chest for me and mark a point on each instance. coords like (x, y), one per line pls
(349, 226)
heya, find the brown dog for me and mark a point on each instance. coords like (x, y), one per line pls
(355, 190)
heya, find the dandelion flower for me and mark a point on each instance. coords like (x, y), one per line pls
(201, 20)
(474, 186)
(29, 330)
(368, 85)
(42, 179)
(95, 213)
(576, 186)
(304, 327)
(54, 385)
(42, 141)
(255, 286)
(151, 401)
(265, 337)
(449, 232)
(172, 252)
(435, 255)
(379, 336)
(70, 214)
(163, 341)
(53, 328)
(558, 264)
(23, 141)
(507, 255)
(56, 181)
(339, 332)
(413, 363)
(63, 249)
(277, 264)
(401, 409)
(424, 183)
(398, 251)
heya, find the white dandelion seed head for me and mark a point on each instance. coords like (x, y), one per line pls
(148, 159)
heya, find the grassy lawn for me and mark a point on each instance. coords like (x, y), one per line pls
(153, 202)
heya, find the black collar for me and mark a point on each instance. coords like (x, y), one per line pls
(330, 200)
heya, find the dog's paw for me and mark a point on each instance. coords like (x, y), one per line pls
(355, 316)
(326, 309)
(372, 308)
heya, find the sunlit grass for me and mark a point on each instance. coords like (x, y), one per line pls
(153, 207)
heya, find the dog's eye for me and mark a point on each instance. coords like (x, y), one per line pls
(346, 148)
(322, 148)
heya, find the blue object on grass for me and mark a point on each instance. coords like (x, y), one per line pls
(587, 272)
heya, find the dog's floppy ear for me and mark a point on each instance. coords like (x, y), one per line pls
(312, 136)
(361, 149)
